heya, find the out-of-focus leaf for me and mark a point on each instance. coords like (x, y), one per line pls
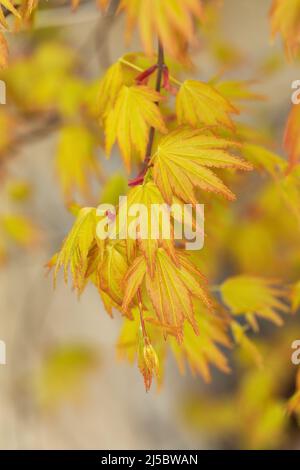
(254, 296)
(129, 121)
(200, 104)
(63, 374)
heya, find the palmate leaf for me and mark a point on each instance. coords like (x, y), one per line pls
(172, 21)
(198, 104)
(76, 247)
(112, 270)
(109, 88)
(250, 295)
(149, 196)
(170, 290)
(128, 122)
(285, 19)
(181, 161)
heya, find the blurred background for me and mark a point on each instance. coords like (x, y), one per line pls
(63, 386)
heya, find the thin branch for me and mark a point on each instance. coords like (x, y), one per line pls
(160, 68)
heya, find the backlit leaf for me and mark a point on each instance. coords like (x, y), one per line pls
(182, 159)
(255, 296)
(76, 246)
(198, 104)
(134, 112)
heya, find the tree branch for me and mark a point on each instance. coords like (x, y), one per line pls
(160, 69)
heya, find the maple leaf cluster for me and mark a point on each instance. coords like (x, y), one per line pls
(155, 284)
(180, 143)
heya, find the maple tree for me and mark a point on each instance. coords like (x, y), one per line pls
(180, 142)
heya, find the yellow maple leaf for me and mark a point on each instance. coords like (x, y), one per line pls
(285, 19)
(181, 159)
(147, 229)
(109, 88)
(76, 247)
(172, 21)
(171, 290)
(198, 104)
(135, 111)
(111, 271)
(250, 295)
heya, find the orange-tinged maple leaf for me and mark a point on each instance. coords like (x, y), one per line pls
(172, 21)
(181, 161)
(198, 104)
(285, 19)
(134, 112)
(76, 247)
(171, 290)
(112, 269)
(146, 229)
(109, 88)
(292, 136)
